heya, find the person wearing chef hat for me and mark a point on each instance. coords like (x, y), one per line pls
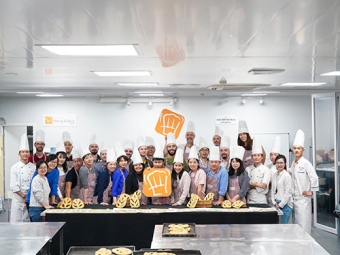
(305, 183)
(171, 148)
(180, 181)
(246, 142)
(128, 147)
(39, 145)
(94, 148)
(225, 151)
(72, 182)
(87, 176)
(101, 165)
(238, 177)
(275, 151)
(217, 176)
(217, 136)
(197, 175)
(190, 137)
(62, 167)
(259, 176)
(150, 147)
(143, 150)
(68, 144)
(203, 154)
(20, 179)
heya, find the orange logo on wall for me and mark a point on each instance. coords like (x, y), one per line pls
(169, 122)
(157, 182)
(48, 120)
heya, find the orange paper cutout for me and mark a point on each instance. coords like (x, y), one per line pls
(169, 122)
(157, 182)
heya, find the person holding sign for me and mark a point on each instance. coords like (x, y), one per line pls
(180, 181)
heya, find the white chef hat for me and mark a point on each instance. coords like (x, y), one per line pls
(159, 152)
(84, 149)
(40, 136)
(93, 139)
(119, 150)
(193, 153)
(76, 153)
(127, 144)
(218, 131)
(24, 146)
(299, 138)
(257, 146)
(276, 148)
(66, 137)
(170, 138)
(60, 147)
(149, 141)
(191, 127)
(179, 156)
(242, 127)
(237, 152)
(225, 142)
(203, 143)
(136, 158)
(215, 153)
(111, 155)
(140, 141)
(104, 146)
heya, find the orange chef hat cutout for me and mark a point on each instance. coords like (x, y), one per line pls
(169, 122)
(157, 182)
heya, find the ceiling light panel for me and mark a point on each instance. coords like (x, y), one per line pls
(334, 73)
(123, 73)
(49, 95)
(302, 84)
(138, 84)
(93, 50)
(253, 95)
(151, 95)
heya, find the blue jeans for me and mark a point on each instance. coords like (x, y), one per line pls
(35, 212)
(287, 212)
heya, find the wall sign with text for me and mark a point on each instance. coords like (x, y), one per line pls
(225, 120)
(60, 120)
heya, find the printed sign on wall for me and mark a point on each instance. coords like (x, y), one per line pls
(225, 120)
(169, 122)
(60, 120)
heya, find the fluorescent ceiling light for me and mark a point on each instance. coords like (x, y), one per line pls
(138, 84)
(253, 95)
(49, 95)
(23, 92)
(303, 84)
(334, 73)
(123, 73)
(148, 92)
(93, 50)
(151, 95)
(264, 70)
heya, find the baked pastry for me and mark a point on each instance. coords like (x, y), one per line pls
(121, 251)
(179, 229)
(103, 251)
(237, 204)
(134, 201)
(122, 200)
(226, 204)
(138, 193)
(193, 201)
(77, 203)
(209, 196)
(66, 203)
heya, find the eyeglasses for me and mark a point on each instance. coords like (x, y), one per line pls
(279, 163)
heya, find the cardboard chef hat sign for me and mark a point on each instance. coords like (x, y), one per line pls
(104, 146)
(93, 139)
(179, 156)
(66, 137)
(193, 152)
(203, 143)
(242, 127)
(111, 155)
(276, 148)
(218, 131)
(24, 146)
(60, 147)
(215, 153)
(257, 146)
(76, 153)
(191, 127)
(140, 141)
(149, 141)
(237, 152)
(136, 158)
(128, 145)
(299, 139)
(40, 136)
(225, 142)
(170, 138)
(119, 150)
(158, 152)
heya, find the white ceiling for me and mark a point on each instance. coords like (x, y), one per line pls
(190, 43)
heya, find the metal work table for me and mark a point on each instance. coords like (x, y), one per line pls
(243, 239)
(29, 237)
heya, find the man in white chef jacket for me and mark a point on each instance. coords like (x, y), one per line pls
(305, 183)
(259, 176)
(20, 179)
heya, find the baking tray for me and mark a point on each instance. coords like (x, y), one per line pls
(90, 250)
(174, 251)
(192, 232)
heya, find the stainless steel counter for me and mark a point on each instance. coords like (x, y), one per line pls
(243, 239)
(28, 237)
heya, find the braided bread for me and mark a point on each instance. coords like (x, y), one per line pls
(139, 194)
(121, 251)
(193, 201)
(226, 204)
(237, 204)
(209, 196)
(103, 251)
(134, 201)
(66, 203)
(77, 203)
(122, 200)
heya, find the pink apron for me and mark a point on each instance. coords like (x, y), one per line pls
(212, 185)
(107, 193)
(234, 188)
(92, 181)
(69, 164)
(143, 199)
(61, 185)
(193, 188)
(247, 158)
(75, 192)
(185, 154)
(177, 191)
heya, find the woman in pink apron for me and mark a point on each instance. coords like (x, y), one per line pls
(180, 181)
(88, 180)
(238, 177)
(198, 176)
(134, 181)
(62, 167)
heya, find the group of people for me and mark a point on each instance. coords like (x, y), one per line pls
(229, 172)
